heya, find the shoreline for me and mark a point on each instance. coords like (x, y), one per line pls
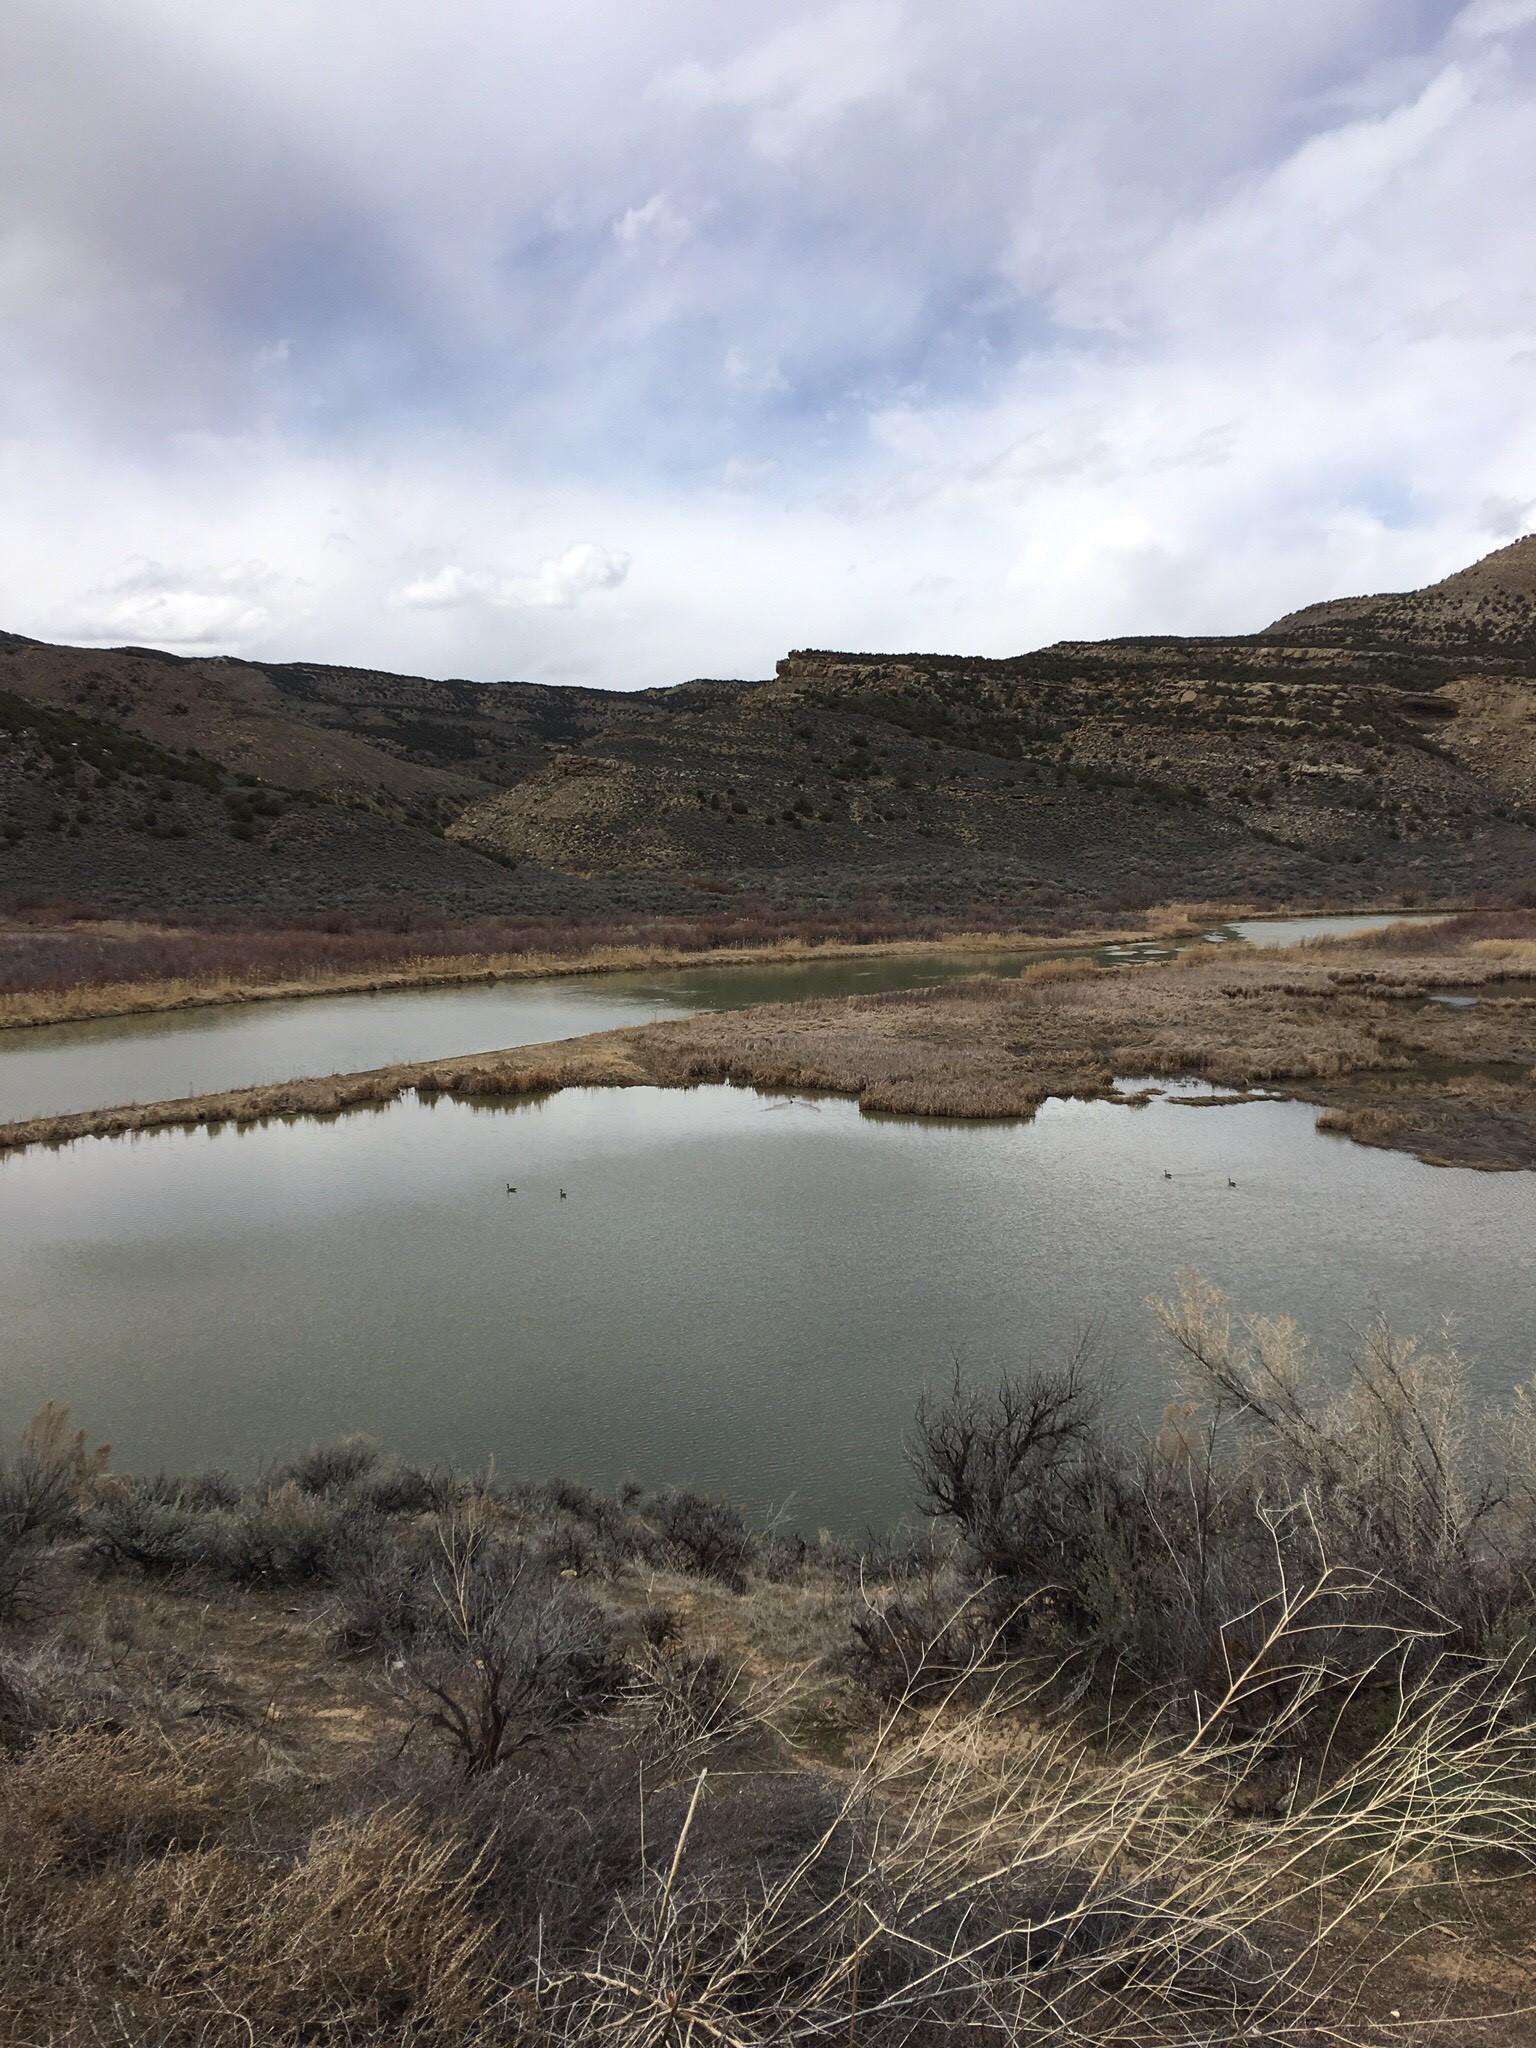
(358, 1730)
(100, 1001)
(1348, 1030)
(451, 971)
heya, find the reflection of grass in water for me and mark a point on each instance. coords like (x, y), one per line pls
(1345, 1028)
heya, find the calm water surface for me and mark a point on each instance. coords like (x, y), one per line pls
(1295, 931)
(742, 1292)
(196, 1052)
(61, 1067)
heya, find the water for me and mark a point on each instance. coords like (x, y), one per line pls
(742, 1292)
(156, 1058)
(1295, 931)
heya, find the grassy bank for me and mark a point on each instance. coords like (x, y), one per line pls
(55, 970)
(122, 999)
(1349, 1025)
(1222, 1736)
(68, 972)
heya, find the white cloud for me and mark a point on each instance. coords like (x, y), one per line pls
(658, 220)
(1488, 18)
(566, 579)
(806, 75)
(1070, 318)
(559, 582)
(141, 600)
(754, 374)
(446, 589)
(741, 472)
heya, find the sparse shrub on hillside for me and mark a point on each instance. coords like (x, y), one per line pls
(600, 1829)
(383, 1600)
(1384, 1507)
(332, 1467)
(509, 1654)
(286, 1537)
(708, 1536)
(407, 1490)
(23, 1711)
(44, 1480)
(23, 1580)
(45, 1483)
(138, 1529)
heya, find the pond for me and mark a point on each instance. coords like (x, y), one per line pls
(161, 1056)
(1296, 931)
(741, 1292)
(155, 1058)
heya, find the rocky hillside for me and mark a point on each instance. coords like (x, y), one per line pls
(1361, 745)
(1489, 608)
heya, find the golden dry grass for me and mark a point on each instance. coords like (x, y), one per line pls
(22, 1009)
(979, 1863)
(1008, 1859)
(1352, 1029)
(119, 997)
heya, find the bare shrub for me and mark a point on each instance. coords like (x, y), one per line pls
(909, 1646)
(976, 1450)
(23, 1712)
(1142, 1572)
(23, 1579)
(384, 1598)
(688, 1705)
(138, 1529)
(51, 1470)
(333, 1467)
(510, 1654)
(989, 1871)
(407, 1490)
(1400, 1476)
(708, 1536)
(285, 1536)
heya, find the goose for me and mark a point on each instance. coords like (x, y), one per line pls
(562, 1194)
(1166, 1174)
(1231, 1183)
(510, 1189)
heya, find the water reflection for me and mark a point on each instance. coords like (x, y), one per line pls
(157, 1058)
(740, 1291)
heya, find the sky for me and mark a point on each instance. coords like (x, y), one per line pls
(620, 344)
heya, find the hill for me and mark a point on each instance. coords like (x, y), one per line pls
(1358, 746)
(1488, 607)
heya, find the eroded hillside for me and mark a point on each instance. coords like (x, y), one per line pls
(1364, 745)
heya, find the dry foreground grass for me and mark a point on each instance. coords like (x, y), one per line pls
(1361, 1028)
(1220, 1738)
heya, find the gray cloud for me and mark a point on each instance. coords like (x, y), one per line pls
(847, 321)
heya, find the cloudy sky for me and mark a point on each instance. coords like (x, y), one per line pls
(622, 343)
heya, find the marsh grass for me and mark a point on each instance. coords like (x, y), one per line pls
(70, 971)
(1347, 1029)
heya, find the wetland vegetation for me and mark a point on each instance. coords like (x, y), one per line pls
(1347, 1024)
